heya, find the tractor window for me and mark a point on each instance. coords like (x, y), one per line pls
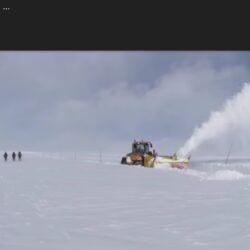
(134, 148)
(146, 148)
(141, 148)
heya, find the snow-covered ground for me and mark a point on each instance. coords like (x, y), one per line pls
(89, 201)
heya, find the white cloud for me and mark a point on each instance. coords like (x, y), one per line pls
(73, 99)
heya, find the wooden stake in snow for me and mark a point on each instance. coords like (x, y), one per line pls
(229, 151)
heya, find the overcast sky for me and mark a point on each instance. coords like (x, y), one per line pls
(86, 100)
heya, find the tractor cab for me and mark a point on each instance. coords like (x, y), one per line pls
(141, 147)
(139, 150)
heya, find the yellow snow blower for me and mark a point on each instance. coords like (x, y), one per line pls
(144, 155)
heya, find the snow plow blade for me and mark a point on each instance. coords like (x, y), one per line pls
(166, 161)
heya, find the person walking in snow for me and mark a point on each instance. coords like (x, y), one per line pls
(5, 155)
(19, 156)
(13, 156)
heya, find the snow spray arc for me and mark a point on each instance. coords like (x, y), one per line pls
(234, 114)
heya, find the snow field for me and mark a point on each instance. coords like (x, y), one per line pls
(55, 201)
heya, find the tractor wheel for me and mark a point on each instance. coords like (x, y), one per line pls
(142, 162)
(123, 161)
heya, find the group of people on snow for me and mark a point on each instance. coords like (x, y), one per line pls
(19, 155)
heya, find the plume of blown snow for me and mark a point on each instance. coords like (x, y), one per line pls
(235, 114)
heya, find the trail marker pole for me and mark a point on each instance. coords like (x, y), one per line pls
(229, 151)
